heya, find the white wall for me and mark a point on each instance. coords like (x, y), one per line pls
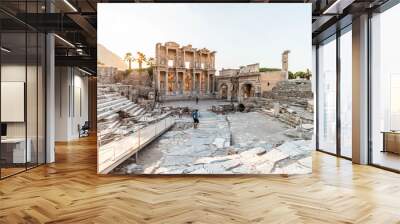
(71, 87)
(33, 126)
(14, 73)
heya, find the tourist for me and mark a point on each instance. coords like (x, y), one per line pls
(197, 100)
(180, 112)
(195, 116)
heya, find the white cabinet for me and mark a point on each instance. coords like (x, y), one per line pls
(16, 149)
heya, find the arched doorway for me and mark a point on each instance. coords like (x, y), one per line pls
(247, 90)
(223, 91)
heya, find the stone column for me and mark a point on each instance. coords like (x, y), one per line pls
(194, 83)
(158, 80)
(229, 92)
(194, 59)
(285, 63)
(208, 60)
(184, 60)
(208, 83)
(239, 96)
(184, 83)
(166, 83)
(200, 83)
(212, 84)
(176, 83)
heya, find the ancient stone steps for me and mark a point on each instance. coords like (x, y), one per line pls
(133, 110)
(111, 117)
(110, 102)
(114, 107)
(138, 112)
(130, 107)
(106, 96)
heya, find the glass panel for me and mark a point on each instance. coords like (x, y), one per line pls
(31, 98)
(346, 94)
(13, 87)
(327, 96)
(23, 81)
(31, 88)
(41, 98)
(385, 86)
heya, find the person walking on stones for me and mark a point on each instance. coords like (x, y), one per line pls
(197, 100)
(180, 112)
(195, 116)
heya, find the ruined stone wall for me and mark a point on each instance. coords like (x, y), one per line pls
(105, 74)
(250, 68)
(270, 79)
(137, 78)
(298, 91)
(228, 72)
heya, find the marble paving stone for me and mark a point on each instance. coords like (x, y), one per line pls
(259, 147)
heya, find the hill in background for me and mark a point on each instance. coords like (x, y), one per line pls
(109, 58)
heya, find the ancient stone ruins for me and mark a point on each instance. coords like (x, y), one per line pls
(251, 121)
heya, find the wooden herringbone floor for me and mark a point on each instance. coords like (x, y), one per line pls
(70, 191)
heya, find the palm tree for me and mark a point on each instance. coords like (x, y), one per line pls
(140, 59)
(129, 58)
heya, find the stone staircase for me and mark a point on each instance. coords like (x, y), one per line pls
(118, 116)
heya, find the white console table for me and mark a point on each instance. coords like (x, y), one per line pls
(16, 146)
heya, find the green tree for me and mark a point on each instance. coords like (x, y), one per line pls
(300, 74)
(269, 69)
(129, 58)
(141, 58)
(150, 63)
(291, 75)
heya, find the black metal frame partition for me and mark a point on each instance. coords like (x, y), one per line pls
(36, 33)
(338, 33)
(382, 8)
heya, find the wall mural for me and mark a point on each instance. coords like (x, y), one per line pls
(187, 103)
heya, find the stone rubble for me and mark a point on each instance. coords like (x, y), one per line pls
(259, 146)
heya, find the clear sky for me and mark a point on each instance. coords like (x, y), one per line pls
(240, 33)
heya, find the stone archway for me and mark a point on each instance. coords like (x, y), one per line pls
(223, 91)
(247, 90)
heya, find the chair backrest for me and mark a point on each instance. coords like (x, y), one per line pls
(86, 125)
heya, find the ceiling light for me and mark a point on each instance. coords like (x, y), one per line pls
(338, 6)
(5, 50)
(64, 40)
(70, 5)
(86, 72)
(79, 51)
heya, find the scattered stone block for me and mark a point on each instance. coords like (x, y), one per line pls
(231, 164)
(219, 142)
(307, 126)
(133, 168)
